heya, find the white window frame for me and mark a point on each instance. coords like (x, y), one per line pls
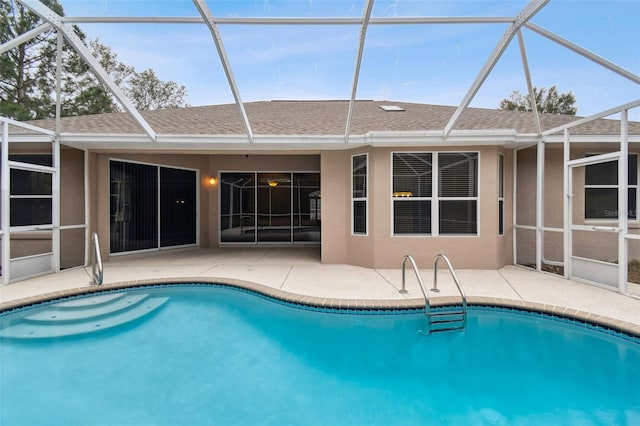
(364, 199)
(439, 198)
(436, 198)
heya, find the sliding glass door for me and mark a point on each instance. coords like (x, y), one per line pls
(260, 207)
(237, 208)
(177, 207)
(151, 206)
(274, 207)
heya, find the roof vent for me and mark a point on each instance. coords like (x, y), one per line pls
(390, 108)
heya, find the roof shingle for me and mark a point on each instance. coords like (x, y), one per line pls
(320, 118)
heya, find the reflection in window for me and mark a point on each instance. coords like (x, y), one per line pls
(270, 207)
(237, 207)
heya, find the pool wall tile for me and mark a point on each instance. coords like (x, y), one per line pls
(601, 323)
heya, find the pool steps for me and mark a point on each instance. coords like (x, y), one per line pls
(83, 316)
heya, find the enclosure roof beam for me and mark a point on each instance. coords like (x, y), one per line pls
(584, 120)
(527, 74)
(584, 52)
(399, 20)
(54, 19)
(22, 38)
(206, 14)
(527, 13)
(356, 74)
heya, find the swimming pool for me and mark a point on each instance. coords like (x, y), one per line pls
(218, 355)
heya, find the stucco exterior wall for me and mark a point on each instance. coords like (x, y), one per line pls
(208, 165)
(72, 241)
(592, 245)
(99, 182)
(380, 248)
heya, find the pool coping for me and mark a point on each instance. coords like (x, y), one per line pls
(340, 304)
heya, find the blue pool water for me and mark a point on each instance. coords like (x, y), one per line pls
(214, 355)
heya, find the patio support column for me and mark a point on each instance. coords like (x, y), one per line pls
(539, 203)
(567, 199)
(87, 206)
(6, 232)
(623, 204)
(55, 206)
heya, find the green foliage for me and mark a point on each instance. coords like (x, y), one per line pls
(148, 92)
(21, 68)
(28, 73)
(547, 101)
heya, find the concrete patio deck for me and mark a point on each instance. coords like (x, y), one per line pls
(299, 271)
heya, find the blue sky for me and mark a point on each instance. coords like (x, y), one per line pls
(431, 64)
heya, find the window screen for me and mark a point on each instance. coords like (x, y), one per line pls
(601, 189)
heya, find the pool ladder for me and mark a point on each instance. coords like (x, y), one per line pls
(447, 319)
(97, 269)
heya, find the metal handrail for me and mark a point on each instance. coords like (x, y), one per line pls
(427, 307)
(96, 261)
(453, 274)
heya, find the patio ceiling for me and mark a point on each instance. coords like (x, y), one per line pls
(360, 18)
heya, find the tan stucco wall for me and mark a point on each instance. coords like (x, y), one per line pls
(207, 166)
(380, 249)
(99, 182)
(601, 246)
(72, 241)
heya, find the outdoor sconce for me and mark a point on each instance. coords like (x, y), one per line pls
(213, 181)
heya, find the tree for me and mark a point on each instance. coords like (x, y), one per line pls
(148, 92)
(22, 69)
(547, 101)
(28, 73)
(83, 93)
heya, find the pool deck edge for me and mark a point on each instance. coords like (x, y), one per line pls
(340, 303)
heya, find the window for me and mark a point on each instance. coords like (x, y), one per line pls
(31, 198)
(412, 186)
(458, 192)
(601, 190)
(455, 201)
(359, 166)
(500, 194)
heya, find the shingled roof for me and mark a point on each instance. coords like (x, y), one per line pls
(322, 118)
